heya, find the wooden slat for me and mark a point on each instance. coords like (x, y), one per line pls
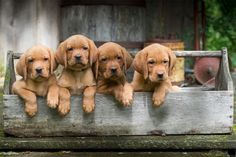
(185, 112)
(10, 76)
(223, 78)
(187, 142)
(116, 154)
(198, 53)
(104, 23)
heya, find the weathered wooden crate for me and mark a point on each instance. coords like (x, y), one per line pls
(193, 110)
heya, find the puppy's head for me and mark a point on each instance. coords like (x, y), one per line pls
(77, 52)
(37, 63)
(155, 62)
(113, 61)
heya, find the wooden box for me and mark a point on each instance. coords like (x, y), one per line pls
(193, 110)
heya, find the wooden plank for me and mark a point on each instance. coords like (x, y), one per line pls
(223, 78)
(185, 112)
(116, 154)
(198, 53)
(108, 143)
(10, 76)
(104, 23)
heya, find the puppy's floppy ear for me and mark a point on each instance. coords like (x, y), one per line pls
(60, 55)
(93, 52)
(127, 59)
(53, 63)
(172, 60)
(140, 63)
(21, 67)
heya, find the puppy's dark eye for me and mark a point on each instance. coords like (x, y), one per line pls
(85, 48)
(45, 59)
(151, 62)
(103, 59)
(118, 57)
(70, 49)
(30, 60)
(165, 62)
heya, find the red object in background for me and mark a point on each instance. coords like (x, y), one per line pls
(205, 70)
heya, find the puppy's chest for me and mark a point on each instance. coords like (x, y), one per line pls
(77, 82)
(40, 89)
(78, 86)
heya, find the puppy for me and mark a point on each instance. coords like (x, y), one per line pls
(77, 54)
(113, 61)
(153, 67)
(36, 66)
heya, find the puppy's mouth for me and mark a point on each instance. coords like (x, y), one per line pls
(79, 66)
(77, 63)
(157, 79)
(39, 77)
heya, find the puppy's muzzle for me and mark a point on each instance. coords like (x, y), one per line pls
(113, 70)
(160, 75)
(39, 70)
(78, 58)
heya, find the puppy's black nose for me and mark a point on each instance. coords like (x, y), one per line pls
(160, 75)
(78, 57)
(113, 70)
(39, 70)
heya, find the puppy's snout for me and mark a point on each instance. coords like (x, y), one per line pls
(113, 70)
(160, 75)
(39, 70)
(78, 57)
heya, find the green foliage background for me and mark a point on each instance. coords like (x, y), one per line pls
(221, 26)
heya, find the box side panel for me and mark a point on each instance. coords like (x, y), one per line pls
(185, 112)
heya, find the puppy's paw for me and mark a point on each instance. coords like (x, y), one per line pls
(157, 102)
(52, 101)
(175, 89)
(88, 107)
(31, 109)
(127, 99)
(127, 96)
(64, 107)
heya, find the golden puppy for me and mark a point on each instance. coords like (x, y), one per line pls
(113, 61)
(77, 54)
(153, 65)
(36, 66)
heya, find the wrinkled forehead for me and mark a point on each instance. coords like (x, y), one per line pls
(110, 51)
(37, 53)
(158, 53)
(77, 42)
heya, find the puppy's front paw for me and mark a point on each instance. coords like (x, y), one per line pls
(52, 101)
(157, 102)
(88, 107)
(175, 89)
(31, 109)
(127, 99)
(64, 107)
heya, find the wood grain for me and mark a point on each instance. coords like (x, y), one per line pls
(10, 76)
(116, 154)
(124, 143)
(104, 22)
(190, 111)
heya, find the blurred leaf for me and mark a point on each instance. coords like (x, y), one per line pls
(221, 26)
